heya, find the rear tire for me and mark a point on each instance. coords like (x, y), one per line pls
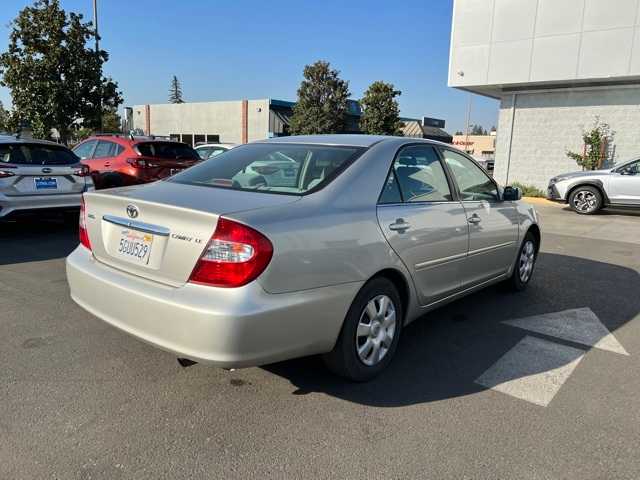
(585, 200)
(524, 265)
(370, 333)
(111, 180)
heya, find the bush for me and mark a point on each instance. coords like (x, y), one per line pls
(528, 190)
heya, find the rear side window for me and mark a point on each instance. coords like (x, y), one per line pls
(168, 150)
(84, 150)
(107, 149)
(272, 168)
(36, 154)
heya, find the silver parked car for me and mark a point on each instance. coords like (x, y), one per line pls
(588, 192)
(37, 175)
(373, 233)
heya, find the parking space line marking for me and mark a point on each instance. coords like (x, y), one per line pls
(534, 370)
(578, 325)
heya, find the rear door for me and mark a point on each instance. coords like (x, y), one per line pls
(39, 169)
(493, 223)
(624, 184)
(424, 222)
(104, 156)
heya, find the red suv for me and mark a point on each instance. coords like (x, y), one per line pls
(116, 161)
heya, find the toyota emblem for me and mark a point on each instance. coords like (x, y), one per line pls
(132, 211)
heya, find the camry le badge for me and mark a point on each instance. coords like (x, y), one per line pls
(132, 211)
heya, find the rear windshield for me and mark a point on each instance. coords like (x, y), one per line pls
(36, 154)
(272, 167)
(169, 150)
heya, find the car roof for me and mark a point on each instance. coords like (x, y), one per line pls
(224, 145)
(4, 139)
(356, 140)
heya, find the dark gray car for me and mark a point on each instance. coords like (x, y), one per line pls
(37, 175)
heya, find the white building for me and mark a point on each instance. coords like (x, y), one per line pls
(554, 65)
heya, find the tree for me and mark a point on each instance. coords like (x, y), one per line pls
(477, 130)
(175, 91)
(459, 132)
(595, 148)
(111, 121)
(322, 101)
(381, 114)
(54, 79)
(4, 119)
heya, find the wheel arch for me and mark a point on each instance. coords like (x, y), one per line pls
(534, 229)
(589, 183)
(400, 281)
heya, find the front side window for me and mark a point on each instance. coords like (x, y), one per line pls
(632, 168)
(419, 175)
(84, 150)
(473, 182)
(36, 154)
(272, 168)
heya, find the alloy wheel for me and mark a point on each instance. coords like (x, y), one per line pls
(376, 330)
(585, 201)
(527, 260)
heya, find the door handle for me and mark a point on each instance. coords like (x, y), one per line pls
(399, 225)
(474, 218)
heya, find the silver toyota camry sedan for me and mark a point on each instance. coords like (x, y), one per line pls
(297, 246)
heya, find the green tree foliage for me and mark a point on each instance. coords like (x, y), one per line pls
(5, 120)
(111, 121)
(381, 113)
(459, 132)
(477, 130)
(54, 79)
(175, 91)
(322, 101)
(595, 149)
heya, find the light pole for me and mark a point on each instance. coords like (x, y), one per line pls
(95, 32)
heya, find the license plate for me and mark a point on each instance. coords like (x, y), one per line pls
(46, 183)
(135, 246)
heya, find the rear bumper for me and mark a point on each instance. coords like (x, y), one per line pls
(231, 328)
(15, 204)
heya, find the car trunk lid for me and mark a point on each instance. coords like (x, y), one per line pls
(159, 231)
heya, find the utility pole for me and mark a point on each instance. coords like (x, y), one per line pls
(466, 130)
(95, 31)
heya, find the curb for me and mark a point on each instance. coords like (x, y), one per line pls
(540, 201)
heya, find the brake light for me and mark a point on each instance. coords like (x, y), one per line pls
(137, 162)
(83, 171)
(82, 226)
(235, 256)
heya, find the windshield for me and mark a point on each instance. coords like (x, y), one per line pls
(36, 154)
(272, 167)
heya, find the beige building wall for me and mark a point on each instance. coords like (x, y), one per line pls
(480, 146)
(205, 118)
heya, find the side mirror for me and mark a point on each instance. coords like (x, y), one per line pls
(511, 194)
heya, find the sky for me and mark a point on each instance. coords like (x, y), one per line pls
(229, 50)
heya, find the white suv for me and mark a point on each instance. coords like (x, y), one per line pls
(37, 175)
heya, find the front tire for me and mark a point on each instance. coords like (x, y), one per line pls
(525, 263)
(370, 333)
(585, 200)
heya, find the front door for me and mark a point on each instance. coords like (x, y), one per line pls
(624, 184)
(493, 223)
(423, 222)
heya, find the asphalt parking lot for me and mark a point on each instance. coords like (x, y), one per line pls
(467, 396)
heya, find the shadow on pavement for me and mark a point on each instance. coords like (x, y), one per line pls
(32, 239)
(442, 354)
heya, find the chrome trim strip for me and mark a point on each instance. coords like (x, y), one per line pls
(439, 261)
(141, 226)
(466, 290)
(491, 248)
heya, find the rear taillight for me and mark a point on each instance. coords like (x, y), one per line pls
(138, 162)
(4, 172)
(235, 255)
(83, 171)
(82, 225)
